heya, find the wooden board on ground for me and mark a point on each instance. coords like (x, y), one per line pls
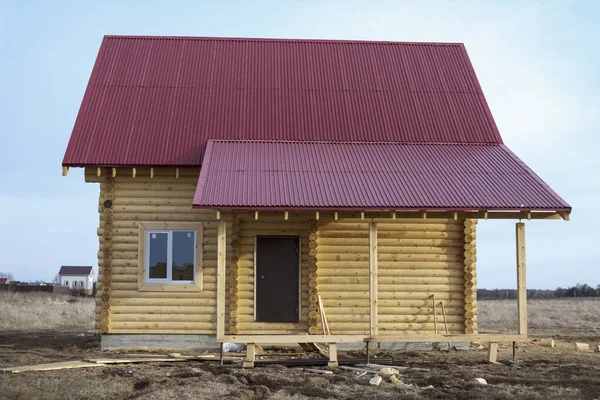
(51, 366)
(132, 360)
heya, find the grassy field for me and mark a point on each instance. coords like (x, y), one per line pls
(43, 312)
(38, 329)
(549, 317)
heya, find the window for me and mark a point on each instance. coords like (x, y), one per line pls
(170, 256)
(66, 283)
(81, 283)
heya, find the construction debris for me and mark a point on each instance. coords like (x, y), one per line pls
(582, 347)
(493, 353)
(51, 366)
(481, 381)
(389, 371)
(547, 342)
(376, 380)
(394, 379)
(597, 348)
(318, 371)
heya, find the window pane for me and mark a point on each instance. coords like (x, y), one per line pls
(158, 255)
(184, 243)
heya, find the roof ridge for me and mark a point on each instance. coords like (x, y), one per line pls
(283, 40)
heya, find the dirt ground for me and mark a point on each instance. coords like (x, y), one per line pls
(544, 373)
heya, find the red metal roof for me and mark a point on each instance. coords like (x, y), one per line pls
(157, 100)
(322, 175)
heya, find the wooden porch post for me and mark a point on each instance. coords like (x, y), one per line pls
(221, 269)
(521, 285)
(373, 278)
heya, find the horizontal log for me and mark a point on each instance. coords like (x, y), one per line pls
(391, 311)
(361, 250)
(389, 280)
(390, 257)
(164, 318)
(126, 202)
(129, 294)
(450, 318)
(422, 303)
(208, 331)
(418, 326)
(402, 294)
(385, 288)
(163, 309)
(156, 194)
(153, 327)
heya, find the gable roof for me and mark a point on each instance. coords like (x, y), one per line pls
(155, 101)
(368, 176)
(74, 270)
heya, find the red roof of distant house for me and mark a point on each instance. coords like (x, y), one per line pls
(156, 101)
(321, 175)
(74, 270)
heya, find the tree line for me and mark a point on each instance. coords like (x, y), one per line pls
(579, 290)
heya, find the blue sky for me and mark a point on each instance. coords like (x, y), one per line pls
(537, 62)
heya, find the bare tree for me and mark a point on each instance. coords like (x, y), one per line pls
(7, 275)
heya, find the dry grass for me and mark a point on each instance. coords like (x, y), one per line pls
(45, 312)
(549, 317)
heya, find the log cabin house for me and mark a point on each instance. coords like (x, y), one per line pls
(249, 186)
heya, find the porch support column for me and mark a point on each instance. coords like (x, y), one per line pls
(373, 278)
(521, 285)
(221, 270)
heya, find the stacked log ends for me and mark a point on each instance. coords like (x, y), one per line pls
(233, 277)
(470, 254)
(313, 307)
(107, 192)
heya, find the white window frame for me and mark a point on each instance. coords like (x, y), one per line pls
(169, 278)
(164, 285)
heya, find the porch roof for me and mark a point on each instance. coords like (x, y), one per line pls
(282, 175)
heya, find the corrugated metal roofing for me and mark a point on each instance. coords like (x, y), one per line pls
(321, 175)
(74, 270)
(157, 100)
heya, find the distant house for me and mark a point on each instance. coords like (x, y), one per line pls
(4, 281)
(76, 277)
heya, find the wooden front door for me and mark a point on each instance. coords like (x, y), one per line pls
(277, 278)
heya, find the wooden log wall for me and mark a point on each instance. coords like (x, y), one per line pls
(249, 228)
(416, 259)
(343, 275)
(161, 198)
(470, 260)
(313, 306)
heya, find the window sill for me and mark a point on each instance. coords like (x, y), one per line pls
(170, 287)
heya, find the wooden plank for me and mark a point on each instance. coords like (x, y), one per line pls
(324, 322)
(333, 358)
(482, 337)
(434, 315)
(51, 366)
(134, 360)
(221, 270)
(373, 326)
(493, 352)
(250, 356)
(278, 339)
(521, 281)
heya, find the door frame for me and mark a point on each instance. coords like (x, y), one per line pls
(299, 274)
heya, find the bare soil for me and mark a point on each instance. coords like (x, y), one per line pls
(544, 373)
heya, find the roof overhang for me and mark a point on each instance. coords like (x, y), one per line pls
(375, 177)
